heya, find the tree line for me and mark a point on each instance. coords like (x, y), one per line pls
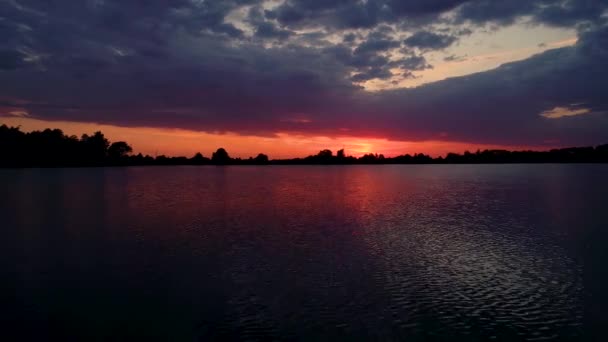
(53, 148)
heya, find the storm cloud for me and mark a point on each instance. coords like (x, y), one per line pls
(246, 67)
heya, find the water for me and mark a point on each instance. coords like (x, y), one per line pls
(428, 252)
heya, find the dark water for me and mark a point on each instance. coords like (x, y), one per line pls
(461, 252)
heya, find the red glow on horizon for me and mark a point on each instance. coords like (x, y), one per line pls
(177, 142)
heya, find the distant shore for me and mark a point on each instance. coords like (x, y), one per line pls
(52, 148)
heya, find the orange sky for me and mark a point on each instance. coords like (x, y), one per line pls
(176, 142)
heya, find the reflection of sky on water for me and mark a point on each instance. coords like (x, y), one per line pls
(313, 251)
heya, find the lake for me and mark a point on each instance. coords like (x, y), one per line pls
(393, 252)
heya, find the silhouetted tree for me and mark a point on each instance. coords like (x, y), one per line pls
(119, 150)
(94, 147)
(220, 157)
(340, 154)
(324, 157)
(261, 159)
(368, 158)
(198, 159)
(12, 146)
(325, 154)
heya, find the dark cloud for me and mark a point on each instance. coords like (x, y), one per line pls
(183, 64)
(376, 44)
(344, 14)
(372, 73)
(551, 12)
(269, 30)
(502, 12)
(264, 28)
(349, 38)
(10, 59)
(410, 7)
(571, 12)
(455, 58)
(334, 14)
(413, 63)
(506, 102)
(408, 75)
(426, 40)
(341, 14)
(370, 58)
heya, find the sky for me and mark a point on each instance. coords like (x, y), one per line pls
(291, 77)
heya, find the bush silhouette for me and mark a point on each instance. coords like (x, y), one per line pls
(261, 159)
(220, 157)
(119, 150)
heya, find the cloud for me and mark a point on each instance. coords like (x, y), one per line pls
(373, 73)
(10, 59)
(376, 44)
(263, 28)
(455, 58)
(560, 112)
(343, 14)
(330, 14)
(503, 105)
(268, 30)
(426, 40)
(564, 13)
(181, 64)
(413, 63)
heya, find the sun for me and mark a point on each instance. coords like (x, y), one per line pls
(359, 147)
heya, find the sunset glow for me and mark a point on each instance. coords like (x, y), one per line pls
(292, 77)
(179, 142)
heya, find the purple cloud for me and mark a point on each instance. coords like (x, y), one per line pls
(182, 64)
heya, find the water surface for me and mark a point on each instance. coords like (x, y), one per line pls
(425, 252)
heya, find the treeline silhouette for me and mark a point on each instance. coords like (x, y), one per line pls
(52, 148)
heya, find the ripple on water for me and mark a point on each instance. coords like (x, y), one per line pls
(474, 275)
(309, 253)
